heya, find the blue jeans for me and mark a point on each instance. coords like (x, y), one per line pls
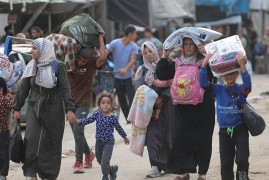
(81, 145)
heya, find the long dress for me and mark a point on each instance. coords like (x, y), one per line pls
(192, 129)
(158, 135)
(45, 124)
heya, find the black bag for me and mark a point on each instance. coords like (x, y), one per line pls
(252, 118)
(16, 147)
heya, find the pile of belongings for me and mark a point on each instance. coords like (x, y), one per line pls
(66, 49)
(11, 72)
(224, 53)
(78, 31)
(198, 35)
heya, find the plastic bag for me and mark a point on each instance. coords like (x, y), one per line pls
(224, 53)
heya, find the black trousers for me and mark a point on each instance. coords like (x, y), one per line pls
(235, 148)
(4, 153)
(125, 92)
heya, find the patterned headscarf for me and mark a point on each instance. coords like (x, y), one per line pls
(46, 51)
(47, 56)
(150, 66)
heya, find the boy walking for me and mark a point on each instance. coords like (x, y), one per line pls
(233, 133)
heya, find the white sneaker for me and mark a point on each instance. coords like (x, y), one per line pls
(154, 172)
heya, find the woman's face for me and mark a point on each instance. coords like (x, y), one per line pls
(149, 54)
(35, 52)
(189, 47)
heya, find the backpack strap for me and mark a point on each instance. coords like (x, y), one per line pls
(56, 69)
(145, 70)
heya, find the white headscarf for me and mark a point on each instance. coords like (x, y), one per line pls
(45, 61)
(150, 66)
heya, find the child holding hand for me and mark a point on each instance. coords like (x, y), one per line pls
(105, 122)
(5, 105)
(233, 133)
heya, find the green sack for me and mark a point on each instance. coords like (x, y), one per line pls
(83, 28)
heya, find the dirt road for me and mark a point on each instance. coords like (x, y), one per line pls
(133, 167)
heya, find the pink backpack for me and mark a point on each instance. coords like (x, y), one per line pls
(186, 88)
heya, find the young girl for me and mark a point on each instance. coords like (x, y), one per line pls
(146, 74)
(105, 122)
(158, 135)
(5, 105)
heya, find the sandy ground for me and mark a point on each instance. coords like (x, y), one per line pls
(133, 167)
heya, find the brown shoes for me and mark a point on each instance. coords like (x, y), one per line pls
(187, 177)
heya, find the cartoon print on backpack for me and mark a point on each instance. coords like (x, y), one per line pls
(185, 88)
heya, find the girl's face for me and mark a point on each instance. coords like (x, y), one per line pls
(105, 104)
(35, 52)
(149, 54)
(189, 47)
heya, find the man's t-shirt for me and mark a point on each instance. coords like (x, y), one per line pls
(121, 56)
(81, 82)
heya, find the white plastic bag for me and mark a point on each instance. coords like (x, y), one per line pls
(224, 53)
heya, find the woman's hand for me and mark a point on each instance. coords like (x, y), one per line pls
(206, 59)
(201, 48)
(166, 52)
(242, 62)
(70, 116)
(16, 115)
(126, 141)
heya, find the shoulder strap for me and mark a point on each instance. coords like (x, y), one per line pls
(56, 69)
(144, 69)
(237, 99)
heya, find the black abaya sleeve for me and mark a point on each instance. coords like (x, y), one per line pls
(165, 70)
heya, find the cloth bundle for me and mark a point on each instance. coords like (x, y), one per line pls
(140, 115)
(83, 28)
(224, 53)
(11, 72)
(66, 49)
(198, 35)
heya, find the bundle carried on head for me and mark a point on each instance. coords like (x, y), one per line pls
(198, 35)
(224, 53)
(66, 49)
(83, 28)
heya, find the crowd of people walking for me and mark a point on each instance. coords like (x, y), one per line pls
(179, 133)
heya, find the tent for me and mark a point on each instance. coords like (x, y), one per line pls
(260, 15)
(220, 12)
(149, 13)
(47, 7)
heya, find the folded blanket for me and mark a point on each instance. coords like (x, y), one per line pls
(138, 138)
(198, 35)
(140, 115)
(6, 67)
(142, 106)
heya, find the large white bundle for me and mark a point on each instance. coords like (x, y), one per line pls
(224, 53)
(198, 35)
